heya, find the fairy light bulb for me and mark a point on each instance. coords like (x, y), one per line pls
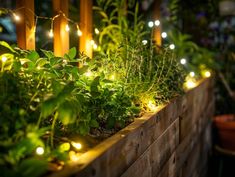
(67, 28)
(151, 105)
(88, 74)
(95, 46)
(150, 24)
(192, 74)
(157, 22)
(79, 32)
(73, 156)
(50, 34)
(207, 74)
(40, 150)
(190, 84)
(92, 42)
(172, 46)
(164, 35)
(97, 31)
(16, 17)
(76, 145)
(4, 59)
(183, 61)
(144, 42)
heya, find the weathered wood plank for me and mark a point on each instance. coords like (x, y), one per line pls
(25, 27)
(85, 44)
(61, 35)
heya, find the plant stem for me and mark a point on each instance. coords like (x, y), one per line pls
(53, 129)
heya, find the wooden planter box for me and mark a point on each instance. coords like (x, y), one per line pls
(172, 142)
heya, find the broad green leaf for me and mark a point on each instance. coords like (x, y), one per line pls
(7, 46)
(66, 113)
(33, 55)
(72, 53)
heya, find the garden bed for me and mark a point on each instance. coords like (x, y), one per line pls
(173, 141)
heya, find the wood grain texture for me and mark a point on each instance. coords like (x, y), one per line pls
(168, 143)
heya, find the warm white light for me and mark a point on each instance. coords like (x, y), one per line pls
(164, 34)
(112, 77)
(88, 74)
(150, 24)
(151, 105)
(73, 156)
(157, 22)
(172, 46)
(183, 61)
(92, 42)
(4, 59)
(51, 34)
(95, 46)
(97, 31)
(190, 84)
(192, 74)
(144, 42)
(207, 74)
(67, 28)
(40, 150)
(79, 32)
(16, 17)
(78, 146)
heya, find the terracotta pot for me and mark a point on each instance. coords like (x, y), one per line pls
(225, 124)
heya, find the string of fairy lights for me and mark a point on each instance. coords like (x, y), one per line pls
(17, 18)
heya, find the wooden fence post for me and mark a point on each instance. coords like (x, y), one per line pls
(25, 27)
(157, 16)
(85, 44)
(61, 35)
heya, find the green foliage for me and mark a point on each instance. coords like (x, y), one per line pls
(198, 58)
(45, 97)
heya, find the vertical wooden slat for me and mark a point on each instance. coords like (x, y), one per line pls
(61, 36)
(86, 27)
(25, 28)
(157, 16)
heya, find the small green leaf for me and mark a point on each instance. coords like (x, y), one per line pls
(94, 123)
(33, 55)
(72, 53)
(6, 45)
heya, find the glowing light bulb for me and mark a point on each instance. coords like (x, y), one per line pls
(183, 61)
(51, 34)
(190, 84)
(40, 150)
(4, 59)
(144, 42)
(151, 105)
(95, 46)
(79, 32)
(78, 146)
(88, 74)
(67, 28)
(92, 42)
(157, 22)
(112, 77)
(164, 34)
(207, 74)
(73, 156)
(97, 31)
(16, 17)
(192, 74)
(172, 46)
(150, 24)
